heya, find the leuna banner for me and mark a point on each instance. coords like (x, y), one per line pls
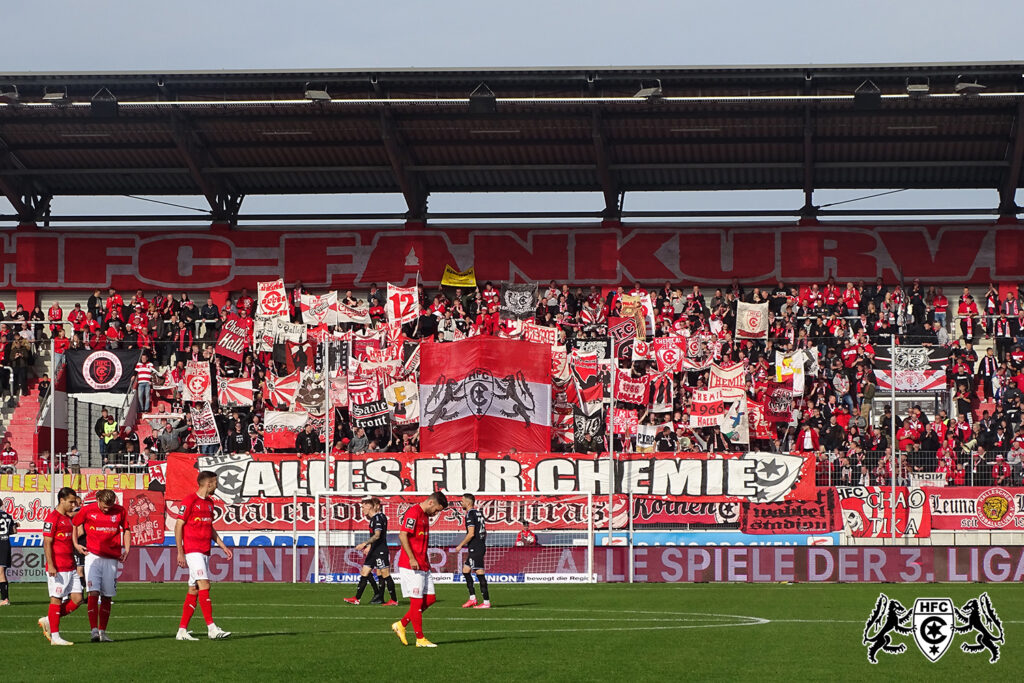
(976, 508)
(105, 370)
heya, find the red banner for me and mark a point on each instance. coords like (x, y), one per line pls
(868, 511)
(326, 256)
(792, 517)
(978, 508)
(485, 393)
(145, 516)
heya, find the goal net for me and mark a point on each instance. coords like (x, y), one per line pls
(531, 537)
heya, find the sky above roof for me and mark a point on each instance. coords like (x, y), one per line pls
(118, 35)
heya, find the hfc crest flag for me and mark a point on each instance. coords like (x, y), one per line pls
(104, 370)
(485, 394)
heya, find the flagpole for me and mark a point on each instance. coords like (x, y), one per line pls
(53, 438)
(892, 429)
(328, 412)
(611, 449)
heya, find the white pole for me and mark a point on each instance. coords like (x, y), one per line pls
(630, 500)
(592, 576)
(295, 538)
(892, 431)
(53, 439)
(316, 538)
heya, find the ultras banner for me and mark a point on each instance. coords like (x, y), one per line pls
(257, 489)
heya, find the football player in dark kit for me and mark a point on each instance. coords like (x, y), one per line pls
(378, 557)
(476, 540)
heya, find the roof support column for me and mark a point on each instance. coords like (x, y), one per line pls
(809, 210)
(412, 188)
(1011, 179)
(610, 188)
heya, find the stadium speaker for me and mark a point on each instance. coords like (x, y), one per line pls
(317, 92)
(652, 92)
(967, 86)
(56, 96)
(918, 88)
(482, 100)
(103, 104)
(867, 96)
(9, 95)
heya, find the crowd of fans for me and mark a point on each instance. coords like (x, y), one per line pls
(838, 325)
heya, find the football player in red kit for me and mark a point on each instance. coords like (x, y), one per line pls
(61, 578)
(413, 569)
(107, 539)
(193, 534)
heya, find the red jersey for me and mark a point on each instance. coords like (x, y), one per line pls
(417, 524)
(60, 528)
(102, 529)
(197, 534)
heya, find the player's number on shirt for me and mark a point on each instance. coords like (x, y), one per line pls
(402, 304)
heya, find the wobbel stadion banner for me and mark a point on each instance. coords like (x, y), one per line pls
(257, 489)
(340, 258)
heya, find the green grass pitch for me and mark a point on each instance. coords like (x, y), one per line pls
(534, 633)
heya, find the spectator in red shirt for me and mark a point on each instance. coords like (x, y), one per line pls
(1001, 472)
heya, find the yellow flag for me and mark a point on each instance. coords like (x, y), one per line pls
(454, 278)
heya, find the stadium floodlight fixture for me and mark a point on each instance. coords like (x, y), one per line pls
(652, 92)
(918, 87)
(867, 96)
(103, 104)
(56, 96)
(317, 92)
(482, 100)
(967, 86)
(9, 94)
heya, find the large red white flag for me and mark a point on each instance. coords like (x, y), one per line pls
(751, 321)
(485, 393)
(403, 305)
(730, 379)
(320, 310)
(272, 300)
(281, 427)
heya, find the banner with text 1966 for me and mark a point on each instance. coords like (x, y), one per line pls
(485, 393)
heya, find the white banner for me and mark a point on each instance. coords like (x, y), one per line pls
(751, 321)
(403, 304)
(272, 300)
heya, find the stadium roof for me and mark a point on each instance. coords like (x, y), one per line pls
(225, 135)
